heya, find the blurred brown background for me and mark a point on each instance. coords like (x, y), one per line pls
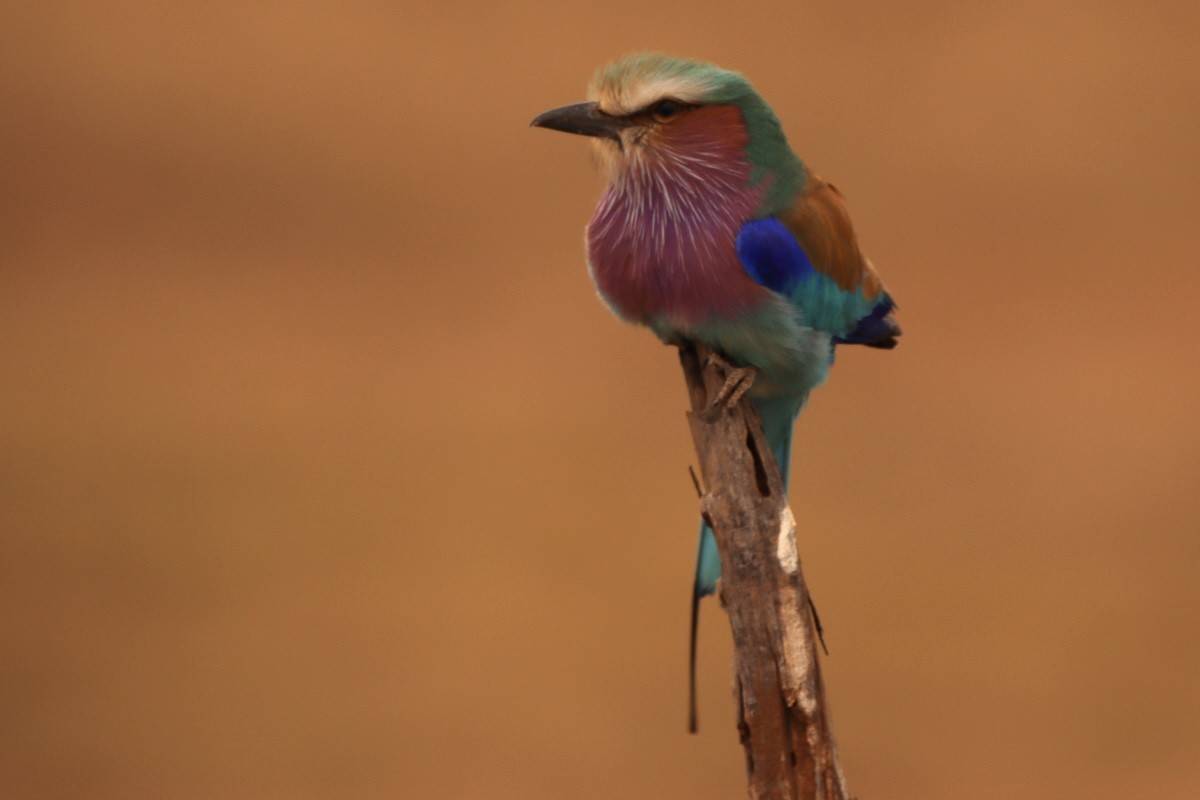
(326, 475)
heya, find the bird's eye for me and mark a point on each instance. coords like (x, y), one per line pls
(665, 109)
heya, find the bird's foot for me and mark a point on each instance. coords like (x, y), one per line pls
(738, 381)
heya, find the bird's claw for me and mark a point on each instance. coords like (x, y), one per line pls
(738, 381)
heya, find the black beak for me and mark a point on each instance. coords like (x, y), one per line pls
(582, 118)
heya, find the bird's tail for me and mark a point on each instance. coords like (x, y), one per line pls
(778, 415)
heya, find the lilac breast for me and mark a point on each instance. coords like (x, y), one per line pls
(661, 243)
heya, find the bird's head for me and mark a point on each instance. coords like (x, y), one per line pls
(653, 109)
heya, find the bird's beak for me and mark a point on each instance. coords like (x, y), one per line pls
(585, 119)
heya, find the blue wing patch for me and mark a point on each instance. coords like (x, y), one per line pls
(772, 256)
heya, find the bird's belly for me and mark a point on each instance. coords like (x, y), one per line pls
(721, 306)
(790, 357)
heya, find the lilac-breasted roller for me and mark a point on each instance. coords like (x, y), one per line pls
(711, 229)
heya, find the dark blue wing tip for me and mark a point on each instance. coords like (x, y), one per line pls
(877, 329)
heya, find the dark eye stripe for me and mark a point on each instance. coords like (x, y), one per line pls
(661, 109)
(667, 108)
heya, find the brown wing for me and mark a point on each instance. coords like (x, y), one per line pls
(819, 221)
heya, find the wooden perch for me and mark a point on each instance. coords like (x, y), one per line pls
(783, 717)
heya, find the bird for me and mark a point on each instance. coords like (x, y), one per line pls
(711, 229)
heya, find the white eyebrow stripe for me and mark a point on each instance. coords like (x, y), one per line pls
(626, 100)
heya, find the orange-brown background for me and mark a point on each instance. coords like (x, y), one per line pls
(325, 475)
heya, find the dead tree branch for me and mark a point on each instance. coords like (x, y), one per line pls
(783, 717)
